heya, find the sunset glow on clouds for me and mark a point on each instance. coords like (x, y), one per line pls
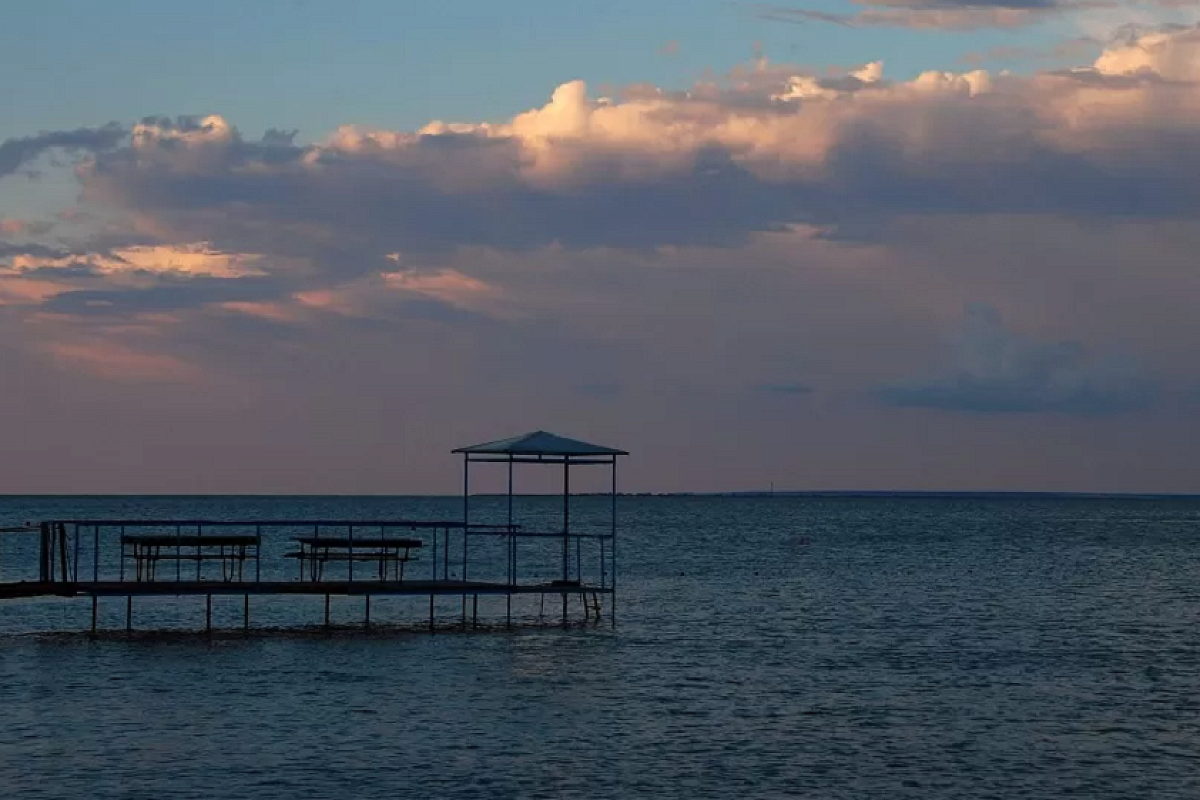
(951, 263)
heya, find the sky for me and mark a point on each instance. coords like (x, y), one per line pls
(311, 247)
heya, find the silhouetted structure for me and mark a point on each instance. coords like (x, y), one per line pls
(547, 449)
(131, 558)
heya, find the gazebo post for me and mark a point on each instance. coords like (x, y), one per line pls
(566, 532)
(512, 547)
(466, 527)
(612, 580)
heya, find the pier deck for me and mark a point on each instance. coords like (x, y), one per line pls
(359, 588)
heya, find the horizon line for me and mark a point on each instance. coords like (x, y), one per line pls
(864, 493)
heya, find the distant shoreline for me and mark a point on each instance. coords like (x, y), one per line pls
(864, 494)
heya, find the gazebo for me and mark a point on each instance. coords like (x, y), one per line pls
(548, 449)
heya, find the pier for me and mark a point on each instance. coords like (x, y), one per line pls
(476, 556)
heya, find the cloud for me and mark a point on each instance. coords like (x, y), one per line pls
(448, 285)
(32, 251)
(193, 259)
(1172, 54)
(941, 16)
(134, 279)
(120, 362)
(996, 370)
(957, 14)
(765, 151)
(15, 153)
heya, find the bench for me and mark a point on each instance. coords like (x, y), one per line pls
(316, 551)
(231, 550)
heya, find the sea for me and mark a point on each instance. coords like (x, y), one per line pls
(763, 647)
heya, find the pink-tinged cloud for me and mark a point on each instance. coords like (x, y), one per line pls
(273, 311)
(116, 361)
(184, 260)
(447, 285)
(943, 18)
(27, 292)
(961, 15)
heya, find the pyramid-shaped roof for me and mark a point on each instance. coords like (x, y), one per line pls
(541, 443)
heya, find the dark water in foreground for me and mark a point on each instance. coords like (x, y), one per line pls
(773, 647)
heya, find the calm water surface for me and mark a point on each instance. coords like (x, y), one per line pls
(771, 647)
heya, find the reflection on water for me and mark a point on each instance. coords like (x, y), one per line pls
(782, 647)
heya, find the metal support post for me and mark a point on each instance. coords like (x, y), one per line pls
(566, 554)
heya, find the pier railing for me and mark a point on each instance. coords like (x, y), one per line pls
(76, 552)
(134, 558)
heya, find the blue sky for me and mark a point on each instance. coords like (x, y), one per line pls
(315, 64)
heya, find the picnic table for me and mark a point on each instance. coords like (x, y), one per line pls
(147, 550)
(387, 553)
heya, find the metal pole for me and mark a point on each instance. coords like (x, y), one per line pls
(75, 567)
(603, 565)
(62, 548)
(466, 525)
(367, 614)
(246, 612)
(466, 508)
(327, 612)
(566, 517)
(178, 554)
(129, 613)
(566, 530)
(351, 562)
(44, 552)
(95, 553)
(208, 613)
(612, 597)
(258, 556)
(95, 613)
(512, 549)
